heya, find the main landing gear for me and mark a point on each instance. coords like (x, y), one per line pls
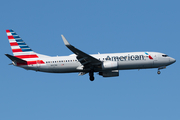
(91, 75)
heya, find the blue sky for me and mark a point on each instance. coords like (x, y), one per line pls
(92, 26)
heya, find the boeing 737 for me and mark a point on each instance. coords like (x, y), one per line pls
(107, 65)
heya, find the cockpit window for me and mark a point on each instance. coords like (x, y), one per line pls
(165, 55)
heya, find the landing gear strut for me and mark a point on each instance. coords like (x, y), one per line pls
(91, 75)
(159, 72)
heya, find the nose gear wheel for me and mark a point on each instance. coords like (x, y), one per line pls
(158, 72)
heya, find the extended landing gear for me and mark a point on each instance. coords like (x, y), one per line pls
(91, 76)
(158, 72)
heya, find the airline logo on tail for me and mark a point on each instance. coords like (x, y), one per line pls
(21, 50)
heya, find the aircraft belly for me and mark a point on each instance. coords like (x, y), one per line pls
(135, 64)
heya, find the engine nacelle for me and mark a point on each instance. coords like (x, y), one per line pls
(112, 73)
(109, 65)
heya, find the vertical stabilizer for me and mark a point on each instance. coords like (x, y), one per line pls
(20, 49)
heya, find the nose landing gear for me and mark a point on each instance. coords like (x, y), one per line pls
(159, 72)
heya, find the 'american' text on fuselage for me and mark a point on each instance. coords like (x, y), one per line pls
(125, 58)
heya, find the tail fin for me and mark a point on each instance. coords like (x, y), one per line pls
(20, 49)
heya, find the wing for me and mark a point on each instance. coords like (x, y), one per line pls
(82, 57)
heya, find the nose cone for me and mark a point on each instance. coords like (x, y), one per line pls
(172, 60)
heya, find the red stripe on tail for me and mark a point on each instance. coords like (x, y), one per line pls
(26, 56)
(10, 37)
(14, 44)
(16, 50)
(7, 31)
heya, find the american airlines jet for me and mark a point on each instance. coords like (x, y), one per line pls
(107, 65)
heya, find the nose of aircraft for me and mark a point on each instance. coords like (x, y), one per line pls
(172, 60)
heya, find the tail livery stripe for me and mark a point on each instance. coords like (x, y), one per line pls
(10, 37)
(7, 31)
(24, 46)
(16, 50)
(21, 50)
(19, 40)
(17, 44)
(12, 40)
(26, 50)
(31, 63)
(14, 44)
(26, 56)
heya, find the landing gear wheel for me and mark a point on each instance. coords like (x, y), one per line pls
(91, 75)
(159, 72)
(91, 78)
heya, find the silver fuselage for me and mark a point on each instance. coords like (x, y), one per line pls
(125, 61)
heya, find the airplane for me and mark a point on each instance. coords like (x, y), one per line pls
(107, 65)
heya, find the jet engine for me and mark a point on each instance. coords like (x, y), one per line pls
(111, 73)
(109, 65)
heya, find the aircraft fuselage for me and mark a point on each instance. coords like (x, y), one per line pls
(108, 65)
(125, 61)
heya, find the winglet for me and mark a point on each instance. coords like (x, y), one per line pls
(65, 41)
(81, 54)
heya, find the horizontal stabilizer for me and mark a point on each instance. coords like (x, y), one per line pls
(15, 59)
